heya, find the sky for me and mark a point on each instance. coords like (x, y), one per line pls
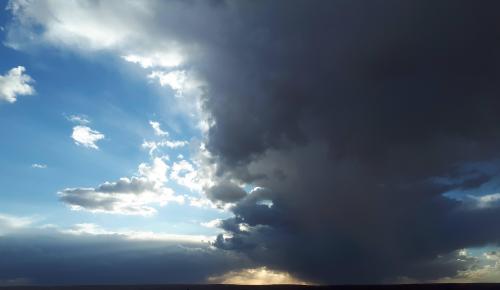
(251, 142)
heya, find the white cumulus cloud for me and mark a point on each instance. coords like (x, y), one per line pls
(15, 83)
(85, 136)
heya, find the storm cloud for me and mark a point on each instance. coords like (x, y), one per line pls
(347, 112)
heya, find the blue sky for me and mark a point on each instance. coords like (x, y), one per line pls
(119, 101)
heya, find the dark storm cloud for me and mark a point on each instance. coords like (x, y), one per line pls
(48, 257)
(348, 111)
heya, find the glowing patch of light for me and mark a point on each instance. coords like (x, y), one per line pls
(257, 276)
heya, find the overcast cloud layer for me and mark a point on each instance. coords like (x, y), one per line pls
(352, 119)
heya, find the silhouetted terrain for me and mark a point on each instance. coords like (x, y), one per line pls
(470, 286)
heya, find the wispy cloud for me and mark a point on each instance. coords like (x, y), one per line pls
(153, 146)
(38, 166)
(157, 128)
(78, 119)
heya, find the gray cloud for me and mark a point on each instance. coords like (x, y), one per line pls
(225, 192)
(108, 197)
(126, 196)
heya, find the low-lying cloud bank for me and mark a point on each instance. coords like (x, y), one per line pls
(86, 254)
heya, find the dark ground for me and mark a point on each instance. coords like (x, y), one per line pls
(271, 287)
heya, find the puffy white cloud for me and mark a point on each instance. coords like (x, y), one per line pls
(176, 80)
(85, 136)
(15, 83)
(184, 83)
(128, 196)
(157, 172)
